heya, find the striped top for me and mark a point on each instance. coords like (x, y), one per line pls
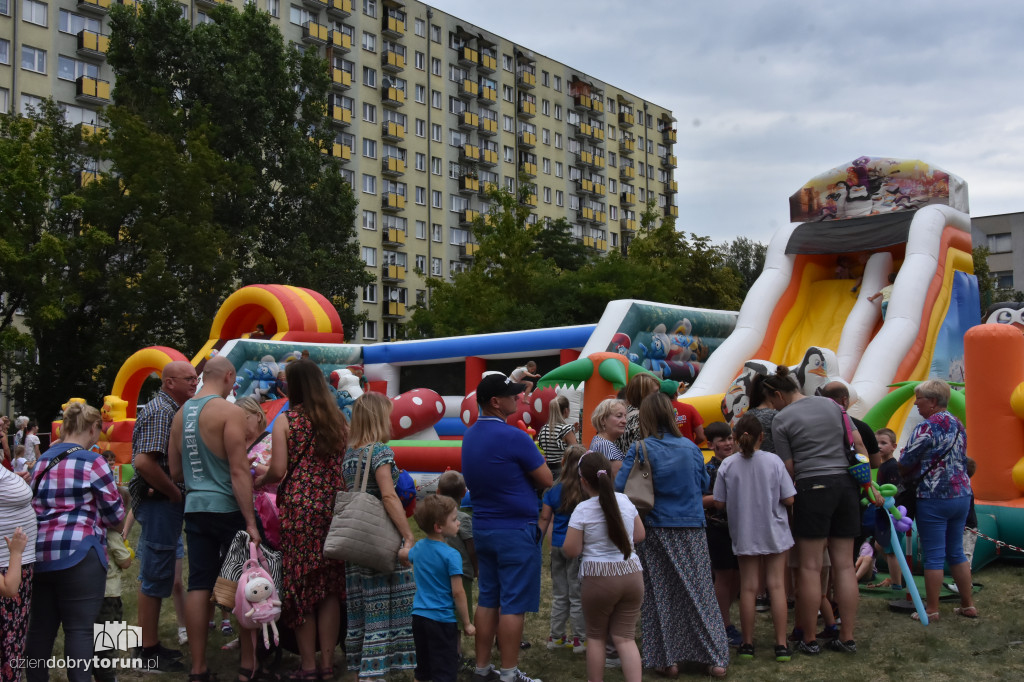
(552, 442)
(16, 510)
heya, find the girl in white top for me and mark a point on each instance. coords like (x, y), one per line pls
(602, 530)
(756, 489)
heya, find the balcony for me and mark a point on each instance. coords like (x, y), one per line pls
(581, 130)
(627, 145)
(487, 63)
(467, 217)
(669, 135)
(94, 6)
(488, 126)
(626, 119)
(392, 61)
(528, 169)
(92, 44)
(468, 250)
(393, 309)
(131, 4)
(392, 166)
(600, 217)
(340, 116)
(392, 132)
(671, 210)
(599, 189)
(585, 186)
(601, 244)
(489, 157)
(487, 95)
(339, 41)
(526, 79)
(527, 139)
(393, 237)
(468, 120)
(392, 27)
(585, 214)
(338, 151)
(627, 198)
(627, 172)
(527, 109)
(339, 8)
(91, 132)
(341, 79)
(468, 56)
(87, 178)
(315, 5)
(584, 158)
(486, 188)
(392, 97)
(391, 202)
(668, 161)
(314, 33)
(469, 152)
(392, 273)
(468, 88)
(627, 225)
(672, 186)
(588, 242)
(468, 184)
(529, 200)
(92, 90)
(598, 161)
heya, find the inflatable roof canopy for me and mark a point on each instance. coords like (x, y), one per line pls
(870, 186)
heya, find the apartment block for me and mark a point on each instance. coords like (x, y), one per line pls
(428, 112)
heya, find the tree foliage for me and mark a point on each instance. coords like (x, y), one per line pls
(746, 258)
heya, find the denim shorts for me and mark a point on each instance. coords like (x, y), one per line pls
(158, 545)
(209, 536)
(510, 561)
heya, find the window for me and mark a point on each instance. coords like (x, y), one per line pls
(421, 128)
(506, 93)
(574, 202)
(33, 59)
(421, 94)
(435, 266)
(300, 15)
(458, 235)
(558, 197)
(1003, 279)
(5, 54)
(547, 195)
(421, 196)
(369, 77)
(369, 42)
(71, 69)
(369, 220)
(558, 140)
(370, 293)
(558, 112)
(420, 28)
(4, 101)
(369, 112)
(435, 99)
(544, 80)
(435, 66)
(612, 159)
(369, 330)
(510, 184)
(33, 12)
(435, 33)
(435, 233)
(30, 102)
(546, 166)
(611, 186)
(435, 165)
(274, 8)
(506, 62)
(435, 132)
(370, 256)
(558, 169)
(558, 85)
(421, 263)
(369, 184)
(421, 232)
(421, 161)
(69, 22)
(435, 198)
(370, 8)
(369, 148)
(545, 107)
(999, 243)
(509, 124)
(545, 136)
(420, 60)
(5, 7)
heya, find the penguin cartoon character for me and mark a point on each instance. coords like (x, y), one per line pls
(812, 372)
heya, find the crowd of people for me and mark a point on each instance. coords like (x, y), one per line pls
(773, 518)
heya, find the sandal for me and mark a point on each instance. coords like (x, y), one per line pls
(966, 611)
(931, 616)
(717, 671)
(885, 583)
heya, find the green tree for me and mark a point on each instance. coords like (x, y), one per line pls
(746, 258)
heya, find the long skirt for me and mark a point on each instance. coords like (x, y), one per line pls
(379, 635)
(14, 614)
(680, 616)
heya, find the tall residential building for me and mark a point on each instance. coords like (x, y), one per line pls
(428, 111)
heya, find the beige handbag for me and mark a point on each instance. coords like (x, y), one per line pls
(640, 484)
(361, 531)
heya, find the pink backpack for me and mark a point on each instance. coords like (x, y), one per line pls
(257, 604)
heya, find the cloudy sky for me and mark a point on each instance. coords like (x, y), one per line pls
(769, 93)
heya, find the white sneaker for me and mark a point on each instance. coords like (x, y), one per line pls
(182, 636)
(519, 676)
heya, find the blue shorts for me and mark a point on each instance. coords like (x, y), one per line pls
(158, 545)
(510, 561)
(940, 530)
(209, 536)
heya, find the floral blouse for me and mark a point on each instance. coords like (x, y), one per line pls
(940, 435)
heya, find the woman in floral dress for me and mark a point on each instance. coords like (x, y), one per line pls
(379, 638)
(307, 451)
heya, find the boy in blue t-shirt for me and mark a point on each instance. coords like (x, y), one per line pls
(439, 592)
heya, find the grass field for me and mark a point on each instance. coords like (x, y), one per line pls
(890, 646)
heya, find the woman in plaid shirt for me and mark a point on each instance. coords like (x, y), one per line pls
(76, 501)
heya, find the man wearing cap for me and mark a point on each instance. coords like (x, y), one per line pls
(503, 471)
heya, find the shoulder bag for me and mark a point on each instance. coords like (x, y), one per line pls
(361, 531)
(53, 462)
(640, 483)
(907, 494)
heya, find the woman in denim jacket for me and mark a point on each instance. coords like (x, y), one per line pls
(680, 616)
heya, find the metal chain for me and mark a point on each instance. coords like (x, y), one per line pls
(999, 543)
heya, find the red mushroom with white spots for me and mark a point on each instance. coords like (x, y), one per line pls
(415, 411)
(469, 410)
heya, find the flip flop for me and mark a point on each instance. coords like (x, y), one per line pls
(966, 611)
(931, 616)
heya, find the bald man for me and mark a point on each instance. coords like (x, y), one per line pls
(158, 505)
(207, 450)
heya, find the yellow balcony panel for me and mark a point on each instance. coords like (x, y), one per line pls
(488, 126)
(92, 90)
(527, 80)
(487, 62)
(94, 6)
(392, 202)
(92, 44)
(87, 178)
(392, 165)
(392, 96)
(599, 189)
(527, 139)
(668, 161)
(339, 151)
(471, 152)
(588, 241)
(584, 186)
(600, 216)
(392, 132)
(627, 172)
(393, 236)
(602, 244)
(90, 132)
(599, 162)
(669, 135)
(489, 157)
(393, 273)
(339, 8)
(314, 33)
(597, 133)
(468, 250)
(527, 109)
(627, 146)
(529, 169)
(340, 116)
(585, 214)
(530, 200)
(597, 105)
(585, 158)
(392, 61)
(341, 79)
(468, 183)
(627, 198)
(582, 101)
(626, 120)
(468, 216)
(393, 309)
(672, 186)
(487, 188)
(468, 56)
(627, 225)
(468, 120)
(672, 211)
(468, 88)
(488, 95)
(340, 41)
(582, 130)
(393, 27)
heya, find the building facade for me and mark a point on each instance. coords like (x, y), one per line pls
(1003, 234)
(428, 111)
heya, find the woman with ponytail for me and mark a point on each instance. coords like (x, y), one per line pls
(602, 530)
(755, 488)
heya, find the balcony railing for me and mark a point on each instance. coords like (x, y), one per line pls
(392, 236)
(487, 63)
(314, 33)
(468, 56)
(92, 44)
(341, 79)
(392, 201)
(392, 97)
(392, 165)
(92, 90)
(339, 8)
(392, 132)
(468, 120)
(392, 61)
